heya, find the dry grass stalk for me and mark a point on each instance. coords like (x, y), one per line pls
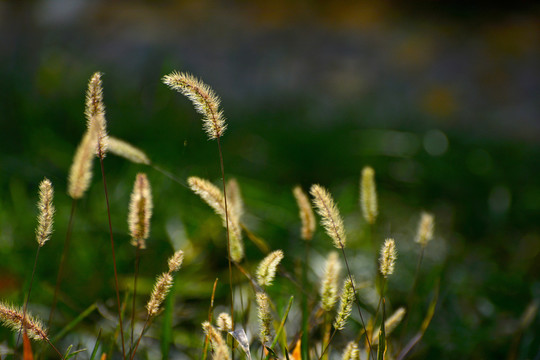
(329, 285)
(265, 318)
(306, 213)
(205, 101)
(127, 151)
(140, 211)
(221, 352)
(15, 318)
(388, 257)
(345, 304)
(351, 352)
(425, 229)
(331, 219)
(266, 271)
(368, 196)
(213, 196)
(95, 113)
(46, 212)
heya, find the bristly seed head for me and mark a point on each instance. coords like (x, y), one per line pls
(221, 352)
(329, 285)
(46, 212)
(306, 213)
(140, 211)
(331, 219)
(14, 319)
(351, 352)
(95, 113)
(265, 318)
(213, 196)
(368, 195)
(425, 229)
(127, 151)
(175, 261)
(345, 304)
(80, 173)
(161, 288)
(204, 99)
(388, 257)
(266, 272)
(224, 322)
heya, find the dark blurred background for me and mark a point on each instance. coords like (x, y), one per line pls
(441, 98)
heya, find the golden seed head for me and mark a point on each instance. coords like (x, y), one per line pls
(234, 199)
(425, 229)
(306, 213)
(221, 352)
(159, 293)
(265, 318)
(224, 322)
(46, 212)
(345, 304)
(331, 219)
(368, 196)
(14, 319)
(213, 196)
(175, 261)
(127, 151)
(204, 99)
(329, 285)
(80, 173)
(95, 113)
(390, 324)
(351, 352)
(388, 257)
(266, 272)
(140, 211)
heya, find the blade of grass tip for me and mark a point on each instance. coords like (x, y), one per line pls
(75, 353)
(74, 323)
(166, 330)
(210, 310)
(425, 324)
(258, 241)
(381, 351)
(96, 346)
(280, 328)
(63, 258)
(113, 258)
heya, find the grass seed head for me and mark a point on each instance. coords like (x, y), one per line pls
(388, 257)
(140, 211)
(224, 322)
(345, 304)
(205, 101)
(329, 285)
(127, 151)
(331, 219)
(425, 229)
(306, 213)
(46, 212)
(266, 271)
(265, 318)
(95, 113)
(368, 195)
(351, 351)
(14, 319)
(80, 173)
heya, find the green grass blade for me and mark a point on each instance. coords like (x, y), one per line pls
(280, 328)
(73, 323)
(96, 346)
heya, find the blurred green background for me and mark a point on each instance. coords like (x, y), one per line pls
(441, 98)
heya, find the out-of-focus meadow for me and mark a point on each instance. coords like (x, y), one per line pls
(441, 99)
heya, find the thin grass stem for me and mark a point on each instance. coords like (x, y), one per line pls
(113, 257)
(28, 295)
(137, 260)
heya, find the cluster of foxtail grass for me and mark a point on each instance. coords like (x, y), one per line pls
(230, 336)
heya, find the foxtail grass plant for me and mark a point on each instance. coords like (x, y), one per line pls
(333, 224)
(140, 212)
(207, 103)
